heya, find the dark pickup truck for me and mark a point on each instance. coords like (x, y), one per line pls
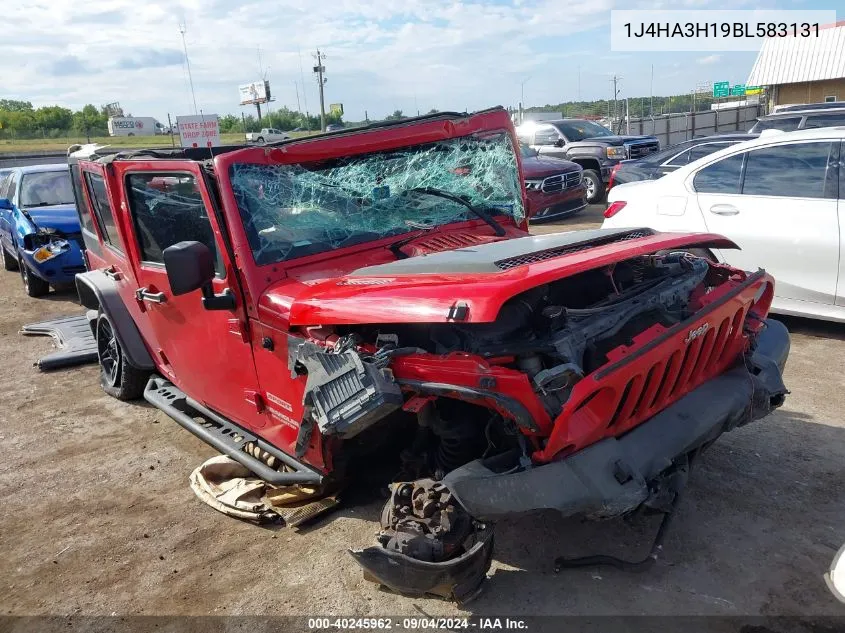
(593, 146)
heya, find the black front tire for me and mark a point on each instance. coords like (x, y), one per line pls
(595, 186)
(118, 377)
(9, 262)
(261, 140)
(33, 285)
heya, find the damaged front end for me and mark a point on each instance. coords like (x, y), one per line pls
(589, 395)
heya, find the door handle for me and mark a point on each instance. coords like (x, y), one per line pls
(143, 294)
(724, 209)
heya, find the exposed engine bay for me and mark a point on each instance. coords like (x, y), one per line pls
(555, 334)
(471, 427)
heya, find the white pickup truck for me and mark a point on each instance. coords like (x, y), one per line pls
(266, 135)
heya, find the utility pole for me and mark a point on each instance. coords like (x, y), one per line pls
(522, 99)
(304, 91)
(579, 83)
(321, 81)
(182, 29)
(296, 85)
(616, 91)
(651, 99)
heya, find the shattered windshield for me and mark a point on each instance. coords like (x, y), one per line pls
(295, 210)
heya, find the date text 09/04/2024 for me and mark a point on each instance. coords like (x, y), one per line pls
(418, 624)
(722, 29)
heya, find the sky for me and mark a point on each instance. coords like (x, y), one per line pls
(381, 55)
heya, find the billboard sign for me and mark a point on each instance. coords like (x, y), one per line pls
(336, 108)
(200, 130)
(256, 92)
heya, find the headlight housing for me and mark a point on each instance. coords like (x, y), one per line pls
(617, 153)
(51, 249)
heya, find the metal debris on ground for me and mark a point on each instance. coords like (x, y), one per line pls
(73, 338)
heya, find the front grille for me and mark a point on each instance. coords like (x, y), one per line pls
(648, 375)
(539, 256)
(561, 182)
(638, 150)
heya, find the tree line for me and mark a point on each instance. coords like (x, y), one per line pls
(20, 119)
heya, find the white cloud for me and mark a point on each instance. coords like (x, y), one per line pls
(708, 60)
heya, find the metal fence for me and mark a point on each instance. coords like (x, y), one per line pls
(674, 128)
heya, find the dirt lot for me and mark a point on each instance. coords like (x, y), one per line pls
(98, 517)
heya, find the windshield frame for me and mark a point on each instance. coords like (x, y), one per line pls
(28, 176)
(301, 157)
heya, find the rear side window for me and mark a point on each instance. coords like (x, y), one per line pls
(705, 150)
(546, 136)
(168, 208)
(720, 177)
(680, 159)
(785, 124)
(797, 170)
(102, 209)
(825, 120)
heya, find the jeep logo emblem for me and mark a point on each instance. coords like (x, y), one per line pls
(694, 334)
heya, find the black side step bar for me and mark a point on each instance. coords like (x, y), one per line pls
(224, 435)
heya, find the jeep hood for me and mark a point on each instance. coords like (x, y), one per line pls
(467, 284)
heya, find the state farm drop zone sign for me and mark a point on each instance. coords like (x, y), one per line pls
(198, 130)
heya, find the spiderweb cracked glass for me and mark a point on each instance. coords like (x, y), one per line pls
(302, 209)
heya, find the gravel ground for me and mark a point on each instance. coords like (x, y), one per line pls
(98, 517)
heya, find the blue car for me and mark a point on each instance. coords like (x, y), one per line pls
(39, 227)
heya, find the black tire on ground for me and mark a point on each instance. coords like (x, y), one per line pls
(118, 378)
(595, 186)
(260, 140)
(32, 283)
(9, 262)
(131, 134)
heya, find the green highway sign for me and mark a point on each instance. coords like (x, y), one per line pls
(721, 89)
(738, 90)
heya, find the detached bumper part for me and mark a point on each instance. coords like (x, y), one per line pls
(611, 477)
(429, 545)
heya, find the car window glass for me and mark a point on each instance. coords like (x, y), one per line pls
(166, 209)
(720, 177)
(11, 186)
(700, 151)
(46, 188)
(680, 159)
(525, 137)
(824, 120)
(105, 218)
(785, 124)
(81, 202)
(794, 170)
(545, 136)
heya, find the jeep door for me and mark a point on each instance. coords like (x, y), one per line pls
(206, 353)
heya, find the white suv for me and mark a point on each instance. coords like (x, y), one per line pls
(780, 198)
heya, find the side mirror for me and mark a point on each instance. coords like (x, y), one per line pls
(190, 266)
(560, 142)
(6, 204)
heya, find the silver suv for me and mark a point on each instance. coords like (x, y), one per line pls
(789, 120)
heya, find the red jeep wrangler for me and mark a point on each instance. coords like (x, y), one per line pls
(374, 294)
